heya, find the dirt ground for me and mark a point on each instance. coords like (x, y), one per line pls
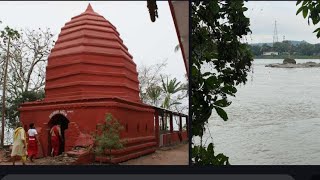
(176, 155)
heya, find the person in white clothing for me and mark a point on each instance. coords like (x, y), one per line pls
(32, 142)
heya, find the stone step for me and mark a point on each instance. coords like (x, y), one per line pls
(127, 150)
(126, 157)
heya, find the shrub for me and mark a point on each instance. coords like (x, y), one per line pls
(108, 136)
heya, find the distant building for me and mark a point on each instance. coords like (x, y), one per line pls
(270, 53)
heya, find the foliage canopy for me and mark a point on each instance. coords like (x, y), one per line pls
(311, 11)
(219, 62)
(108, 136)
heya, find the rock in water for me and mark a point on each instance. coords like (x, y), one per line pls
(299, 65)
(311, 64)
(289, 61)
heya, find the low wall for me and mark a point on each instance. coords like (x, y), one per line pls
(174, 138)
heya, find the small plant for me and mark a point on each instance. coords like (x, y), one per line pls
(108, 136)
(184, 127)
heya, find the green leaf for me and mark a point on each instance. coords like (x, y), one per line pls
(194, 71)
(318, 34)
(210, 149)
(221, 113)
(305, 12)
(207, 74)
(300, 9)
(318, 29)
(223, 160)
(298, 2)
(229, 89)
(222, 103)
(315, 21)
(305, 2)
(212, 82)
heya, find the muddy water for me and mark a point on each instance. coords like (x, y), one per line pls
(274, 119)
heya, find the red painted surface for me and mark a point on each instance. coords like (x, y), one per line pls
(89, 60)
(82, 156)
(174, 138)
(186, 61)
(90, 73)
(157, 128)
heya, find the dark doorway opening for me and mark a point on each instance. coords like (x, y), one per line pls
(61, 120)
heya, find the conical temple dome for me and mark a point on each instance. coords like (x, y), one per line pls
(89, 60)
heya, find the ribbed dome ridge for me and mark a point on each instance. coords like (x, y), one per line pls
(90, 60)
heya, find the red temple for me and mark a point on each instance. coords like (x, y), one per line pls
(90, 73)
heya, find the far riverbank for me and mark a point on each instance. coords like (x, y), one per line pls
(286, 56)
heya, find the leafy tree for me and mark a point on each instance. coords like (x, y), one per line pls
(317, 49)
(8, 35)
(170, 88)
(280, 47)
(305, 49)
(29, 59)
(14, 103)
(208, 157)
(256, 50)
(310, 10)
(287, 47)
(150, 76)
(26, 68)
(217, 27)
(108, 136)
(266, 48)
(157, 89)
(154, 93)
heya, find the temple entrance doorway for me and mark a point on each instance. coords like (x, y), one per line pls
(61, 120)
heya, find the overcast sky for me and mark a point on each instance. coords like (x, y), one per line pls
(263, 15)
(148, 42)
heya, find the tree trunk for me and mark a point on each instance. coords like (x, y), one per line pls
(4, 94)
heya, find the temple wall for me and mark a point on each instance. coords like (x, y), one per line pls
(83, 118)
(91, 73)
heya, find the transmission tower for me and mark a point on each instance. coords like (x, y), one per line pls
(275, 33)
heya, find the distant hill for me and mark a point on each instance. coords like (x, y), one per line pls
(293, 42)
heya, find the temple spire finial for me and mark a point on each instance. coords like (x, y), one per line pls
(89, 8)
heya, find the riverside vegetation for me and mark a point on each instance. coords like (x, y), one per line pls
(217, 27)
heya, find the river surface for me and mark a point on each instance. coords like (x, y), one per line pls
(274, 119)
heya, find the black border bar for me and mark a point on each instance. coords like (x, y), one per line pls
(297, 172)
